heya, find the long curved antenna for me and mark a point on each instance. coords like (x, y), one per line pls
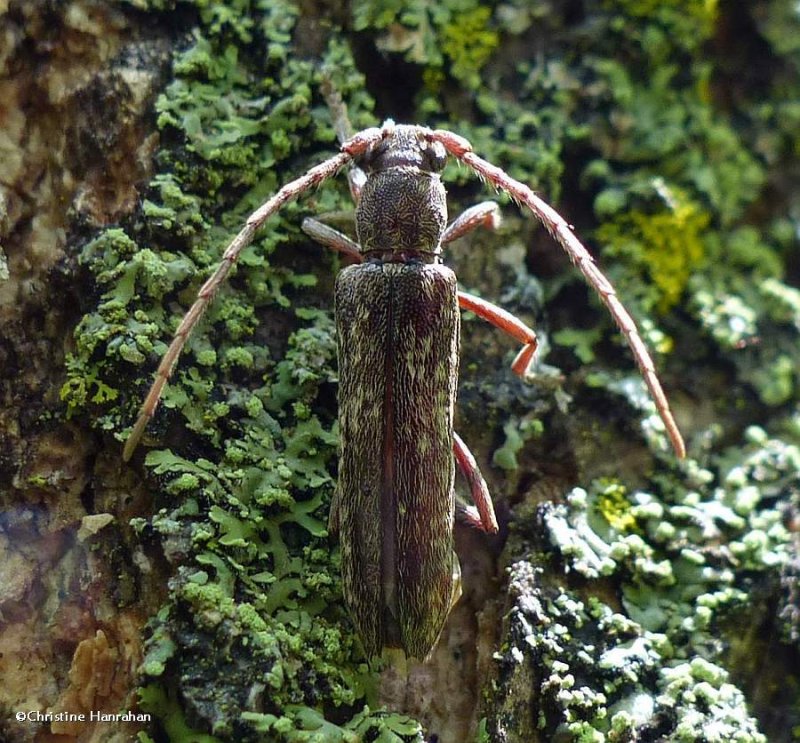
(290, 191)
(560, 230)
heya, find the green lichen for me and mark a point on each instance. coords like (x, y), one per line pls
(253, 628)
(517, 433)
(751, 314)
(157, 702)
(604, 677)
(615, 118)
(468, 41)
(456, 36)
(694, 19)
(688, 689)
(365, 726)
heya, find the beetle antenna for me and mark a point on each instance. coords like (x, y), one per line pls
(561, 231)
(290, 191)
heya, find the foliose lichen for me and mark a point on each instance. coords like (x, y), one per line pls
(458, 35)
(684, 563)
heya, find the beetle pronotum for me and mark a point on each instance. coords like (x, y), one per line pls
(398, 330)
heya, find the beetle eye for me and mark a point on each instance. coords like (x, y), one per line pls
(436, 157)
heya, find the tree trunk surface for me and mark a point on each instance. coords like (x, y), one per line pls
(194, 593)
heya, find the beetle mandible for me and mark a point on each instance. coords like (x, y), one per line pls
(397, 315)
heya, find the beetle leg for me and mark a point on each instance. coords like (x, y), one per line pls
(356, 178)
(482, 514)
(485, 214)
(457, 584)
(332, 238)
(506, 322)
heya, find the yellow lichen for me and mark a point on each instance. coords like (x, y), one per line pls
(468, 43)
(613, 505)
(668, 243)
(703, 12)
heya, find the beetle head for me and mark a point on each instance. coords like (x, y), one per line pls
(404, 146)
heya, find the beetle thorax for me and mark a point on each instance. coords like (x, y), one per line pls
(402, 211)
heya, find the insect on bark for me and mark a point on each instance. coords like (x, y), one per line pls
(397, 317)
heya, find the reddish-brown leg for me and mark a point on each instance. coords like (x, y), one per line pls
(509, 324)
(485, 214)
(482, 515)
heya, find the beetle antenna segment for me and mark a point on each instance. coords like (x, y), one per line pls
(356, 177)
(560, 230)
(290, 191)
